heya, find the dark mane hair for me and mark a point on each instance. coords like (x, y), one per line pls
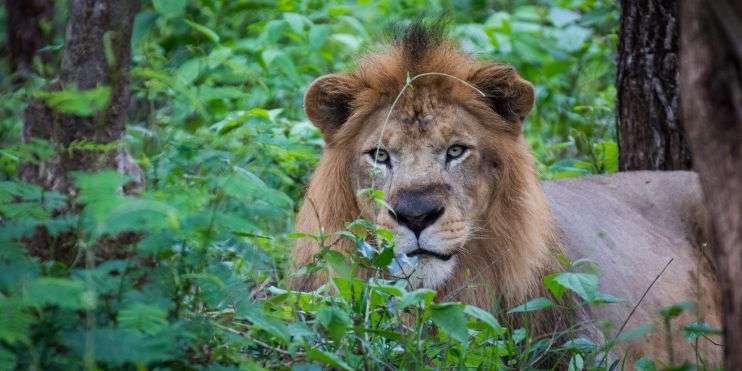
(418, 38)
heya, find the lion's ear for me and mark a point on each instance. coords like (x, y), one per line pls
(327, 101)
(506, 92)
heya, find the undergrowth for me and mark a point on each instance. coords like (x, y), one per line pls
(217, 127)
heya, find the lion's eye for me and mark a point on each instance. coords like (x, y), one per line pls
(455, 151)
(380, 156)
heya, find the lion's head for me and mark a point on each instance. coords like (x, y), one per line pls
(450, 157)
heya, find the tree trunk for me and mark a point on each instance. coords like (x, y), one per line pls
(711, 82)
(97, 53)
(650, 135)
(94, 28)
(25, 32)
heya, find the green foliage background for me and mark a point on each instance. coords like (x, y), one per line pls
(216, 123)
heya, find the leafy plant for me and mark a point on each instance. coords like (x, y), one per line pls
(216, 124)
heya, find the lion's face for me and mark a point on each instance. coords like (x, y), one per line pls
(450, 159)
(434, 174)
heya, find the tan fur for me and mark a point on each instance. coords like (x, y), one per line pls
(498, 220)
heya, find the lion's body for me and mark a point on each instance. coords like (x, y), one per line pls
(457, 161)
(631, 225)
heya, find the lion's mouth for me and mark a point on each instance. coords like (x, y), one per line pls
(423, 252)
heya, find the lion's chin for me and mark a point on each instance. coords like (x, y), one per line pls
(434, 272)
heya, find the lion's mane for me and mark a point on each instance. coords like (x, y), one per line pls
(515, 246)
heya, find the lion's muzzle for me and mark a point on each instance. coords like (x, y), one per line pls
(418, 209)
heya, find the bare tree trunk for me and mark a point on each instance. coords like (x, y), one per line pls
(650, 135)
(711, 82)
(97, 53)
(25, 33)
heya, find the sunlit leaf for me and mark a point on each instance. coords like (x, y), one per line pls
(484, 316)
(209, 33)
(77, 102)
(532, 305)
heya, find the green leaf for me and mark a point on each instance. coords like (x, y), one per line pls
(77, 102)
(14, 322)
(583, 284)
(171, 8)
(119, 346)
(385, 234)
(7, 359)
(561, 17)
(189, 71)
(582, 345)
(255, 314)
(675, 310)
(554, 287)
(536, 304)
(335, 321)
(318, 36)
(143, 23)
(349, 286)
(383, 259)
(635, 333)
(244, 185)
(340, 264)
(63, 292)
(418, 297)
(149, 319)
(485, 317)
(393, 290)
(644, 364)
(138, 215)
(695, 329)
(576, 363)
(603, 298)
(328, 358)
(209, 33)
(297, 22)
(98, 187)
(608, 152)
(339, 10)
(450, 318)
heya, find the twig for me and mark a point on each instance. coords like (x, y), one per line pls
(643, 296)
(401, 92)
(626, 321)
(712, 341)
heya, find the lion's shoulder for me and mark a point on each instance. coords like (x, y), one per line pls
(632, 224)
(663, 199)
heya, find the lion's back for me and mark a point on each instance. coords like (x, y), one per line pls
(632, 224)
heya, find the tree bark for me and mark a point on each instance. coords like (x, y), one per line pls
(94, 27)
(650, 135)
(25, 33)
(711, 82)
(97, 53)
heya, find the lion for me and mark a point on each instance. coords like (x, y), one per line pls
(466, 199)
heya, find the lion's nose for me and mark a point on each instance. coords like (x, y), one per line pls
(417, 213)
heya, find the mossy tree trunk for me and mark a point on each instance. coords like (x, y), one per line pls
(97, 54)
(711, 83)
(25, 31)
(650, 134)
